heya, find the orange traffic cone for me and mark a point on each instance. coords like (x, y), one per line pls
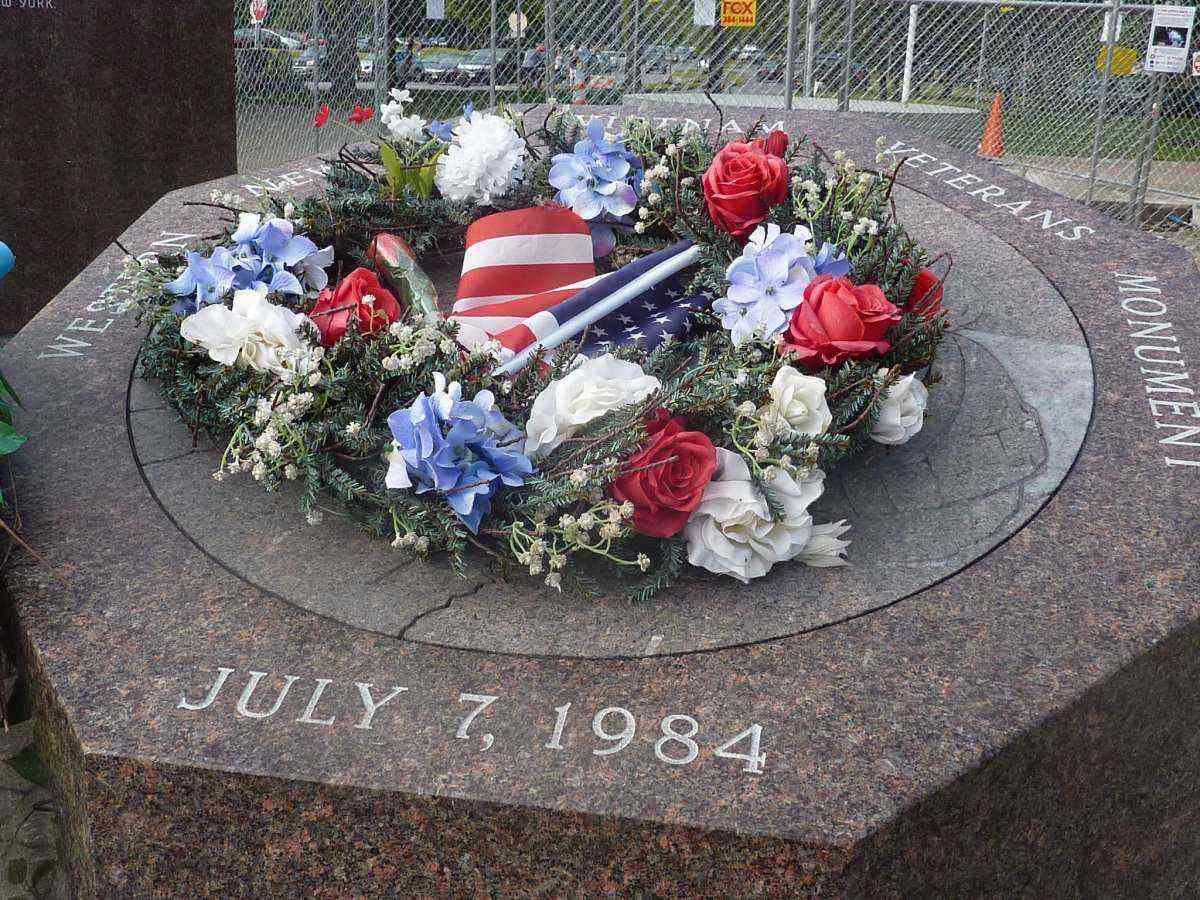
(993, 135)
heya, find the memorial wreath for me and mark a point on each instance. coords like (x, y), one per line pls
(661, 341)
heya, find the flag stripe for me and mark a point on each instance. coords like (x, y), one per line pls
(523, 250)
(531, 279)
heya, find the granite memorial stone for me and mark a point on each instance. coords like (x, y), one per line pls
(995, 698)
(106, 107)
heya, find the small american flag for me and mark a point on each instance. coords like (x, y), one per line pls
(530, 271)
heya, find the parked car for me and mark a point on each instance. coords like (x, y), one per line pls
(654, 59)
(437, 68)
(307, 62)
(476, 68)
(828, 67)
(246, 37)
(611, 61)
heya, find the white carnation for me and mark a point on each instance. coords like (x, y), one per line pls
(798, 401)
(733, 533)
(483, 161)
(585, 393)
(253, 333)
(902, 412)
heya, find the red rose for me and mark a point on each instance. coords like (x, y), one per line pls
(334, 308)
(742, 184)
(361, 114)
(926, 295)
(839, 319)
(775, 144)
(664, 493)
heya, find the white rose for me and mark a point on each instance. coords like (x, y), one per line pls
(255, 333)
(798, 401)
(589, 391)
(732, 531)
(902, 412)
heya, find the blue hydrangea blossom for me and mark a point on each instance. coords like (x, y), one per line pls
(768, 281)
(464, 450)
(598, 178)
(266, 257)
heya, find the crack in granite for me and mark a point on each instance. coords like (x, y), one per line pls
(403, 633)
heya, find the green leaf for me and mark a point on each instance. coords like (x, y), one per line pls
(7, 389)
(28, 764)
(10, 439)
(395, 169)
(425, 177)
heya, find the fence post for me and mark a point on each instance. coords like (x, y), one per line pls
(520, 50)
(379, 54)
(810, 44)
(550, 50)
(633, 58)
(844, 96)
(910, 48)
(1114, 14)
(1141, 181)
(789, 68)
(492, 42)
(316, 79)
(982, 46)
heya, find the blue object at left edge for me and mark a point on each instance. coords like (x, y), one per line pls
(7, 260)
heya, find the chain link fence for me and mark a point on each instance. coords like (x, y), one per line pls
(1078, 113)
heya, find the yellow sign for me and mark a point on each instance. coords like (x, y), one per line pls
(1124, 60)
(738, 13)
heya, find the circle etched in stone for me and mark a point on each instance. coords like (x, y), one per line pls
(1005, 424)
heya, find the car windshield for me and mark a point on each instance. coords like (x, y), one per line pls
(479, 57)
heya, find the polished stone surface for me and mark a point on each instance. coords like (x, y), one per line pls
(1021, 724)
(105, 107)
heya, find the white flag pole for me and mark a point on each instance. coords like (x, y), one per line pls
(619, 298)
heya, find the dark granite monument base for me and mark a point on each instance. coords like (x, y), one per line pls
(106, 107)
(995, 699)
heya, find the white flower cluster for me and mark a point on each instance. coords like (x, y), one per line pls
(411, 541)
(865, 225)
(485, 159)
(401, 127)
(227, 198)
(255, 333)
(258, 454)
(418, 340)
(546, 545)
